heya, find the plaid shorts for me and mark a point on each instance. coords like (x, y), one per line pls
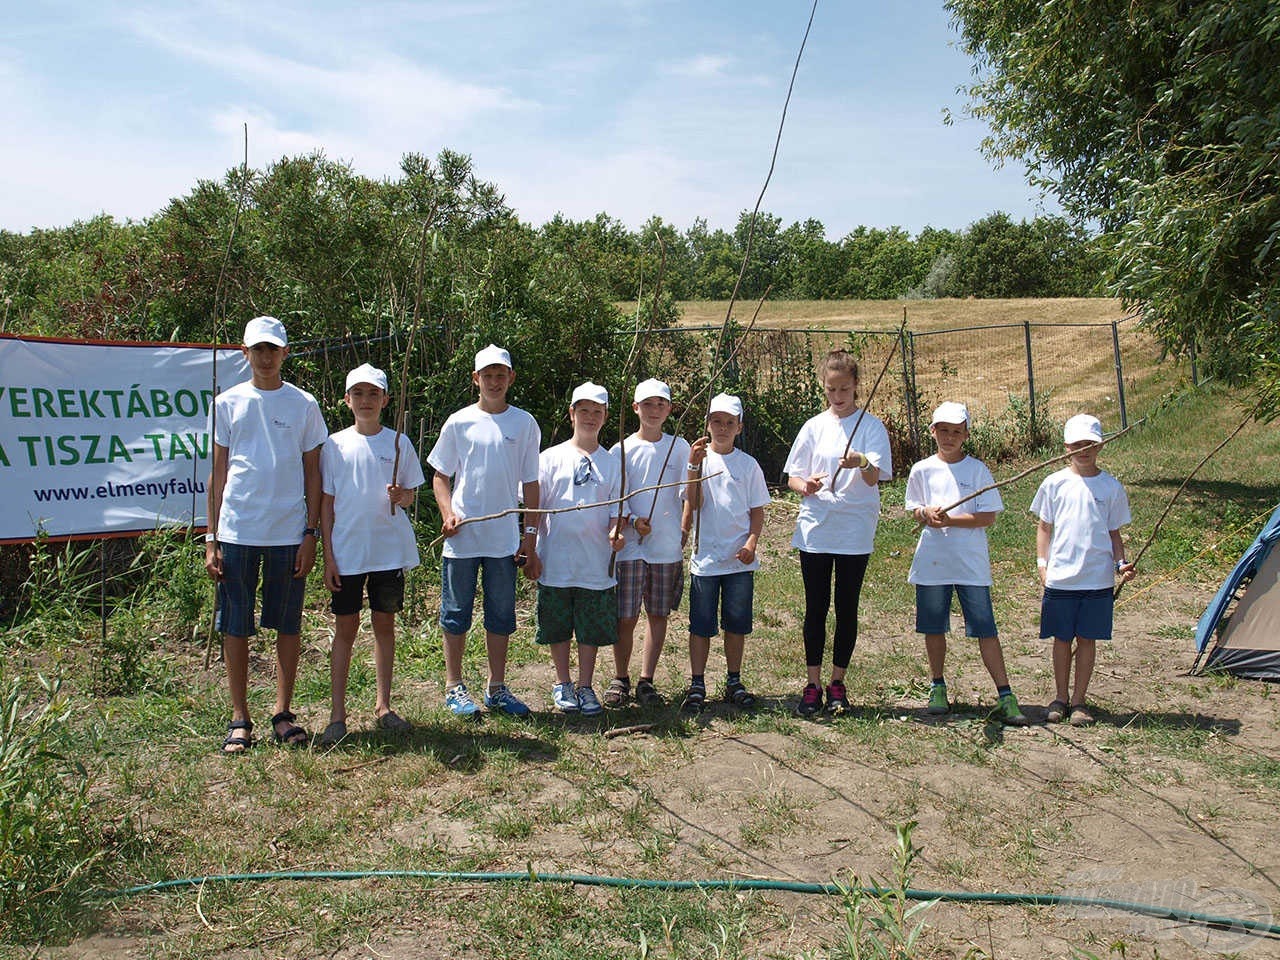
(660, 585)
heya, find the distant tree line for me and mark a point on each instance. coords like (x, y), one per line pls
(993, 257)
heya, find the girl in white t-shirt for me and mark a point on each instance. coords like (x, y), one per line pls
(836, 529)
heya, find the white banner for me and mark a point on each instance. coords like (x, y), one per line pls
(105, 438)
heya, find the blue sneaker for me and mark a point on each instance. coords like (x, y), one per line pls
(588, 703)
(565, 697)
(504, 701)
(458, 700)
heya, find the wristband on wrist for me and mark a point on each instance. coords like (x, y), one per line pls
(531, 531)
(210, 538)
(1120, 563)
(691, 466)
(1041, 562)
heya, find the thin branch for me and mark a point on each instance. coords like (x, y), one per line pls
(548, 511)
(893, 348)
(1177, 493)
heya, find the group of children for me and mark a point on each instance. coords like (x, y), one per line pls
(603, 532)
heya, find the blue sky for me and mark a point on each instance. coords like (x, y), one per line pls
(631, 107)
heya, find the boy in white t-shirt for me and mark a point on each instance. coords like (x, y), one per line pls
(651, 565)
(485, 454)
(370, 478)
(730, 504)
(576, 596)
(952, 555)
(1079, 552)
(264, 509)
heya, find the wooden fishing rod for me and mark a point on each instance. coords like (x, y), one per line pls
(401, 406)
(893, 348)
(548, 511)
(1250, 416)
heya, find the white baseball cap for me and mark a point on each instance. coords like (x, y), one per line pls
(490, 355)
(949, 411)
(265, 330)
(1082, 427)
(367, 373)
(590, 391)
(652, 388)
(725, 403)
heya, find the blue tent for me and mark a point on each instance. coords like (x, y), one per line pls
(1239, 632)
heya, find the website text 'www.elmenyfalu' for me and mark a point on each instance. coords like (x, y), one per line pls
(173, 487)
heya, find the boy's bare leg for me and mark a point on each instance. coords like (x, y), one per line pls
(1086, 654)
(384, 657)
(655, 637)
(624, 645)
(560, 660)
(993, 660)
(935, 649)
(734, 645)
(586, 663)
(235, 654)
(345, 629)
(495, 647)
(288, 649)
(1061, 669)
(454, 646)
(699, 651)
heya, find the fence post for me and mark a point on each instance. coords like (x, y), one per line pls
(1115, 347)
(907, 344)
(1031, 379)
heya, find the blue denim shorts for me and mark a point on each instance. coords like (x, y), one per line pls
(1067, 614)
(458, 594)
(729, 595)
(933, 609)
(282, 592)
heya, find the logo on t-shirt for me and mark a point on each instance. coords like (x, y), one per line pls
(281, 424)
(511, 440)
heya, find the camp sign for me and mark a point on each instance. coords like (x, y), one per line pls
(106, 438)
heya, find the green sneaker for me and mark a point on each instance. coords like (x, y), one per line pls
(938, 704)
(1009, 712)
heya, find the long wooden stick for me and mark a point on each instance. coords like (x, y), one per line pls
(893, 348)
(1177, 493)
(1030, 470)
(401, 409)
(548, 511)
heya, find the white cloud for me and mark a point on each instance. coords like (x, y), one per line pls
(706, 65)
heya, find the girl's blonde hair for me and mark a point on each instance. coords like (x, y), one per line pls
(838, 361)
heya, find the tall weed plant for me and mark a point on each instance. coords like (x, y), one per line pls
(50, 851)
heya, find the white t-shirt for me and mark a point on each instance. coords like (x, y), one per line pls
(266, 432)
(574, 546)
(727, 501)
(951, 555)
(489, 456)
(645, 462)
(843, 520)
(1083, 511)
(356, 470)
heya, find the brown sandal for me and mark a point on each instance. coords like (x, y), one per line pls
(1080, 716)
(1057, 711)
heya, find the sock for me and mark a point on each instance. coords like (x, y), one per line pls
(939, 682)
(1004, 691)
(625, 679)
(734, 676)
(646, 679)
(698, 680)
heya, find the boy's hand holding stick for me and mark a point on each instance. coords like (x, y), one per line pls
(849, 460)
(452, 524)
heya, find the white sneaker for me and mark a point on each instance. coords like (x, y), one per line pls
(565, 698)
(588, 702)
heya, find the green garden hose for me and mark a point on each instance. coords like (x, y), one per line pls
(1256, 927)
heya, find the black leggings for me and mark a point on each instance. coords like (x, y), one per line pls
(815, 569)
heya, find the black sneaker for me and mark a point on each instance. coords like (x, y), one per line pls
(810, 701)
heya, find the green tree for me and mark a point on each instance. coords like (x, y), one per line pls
(1161, 122)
